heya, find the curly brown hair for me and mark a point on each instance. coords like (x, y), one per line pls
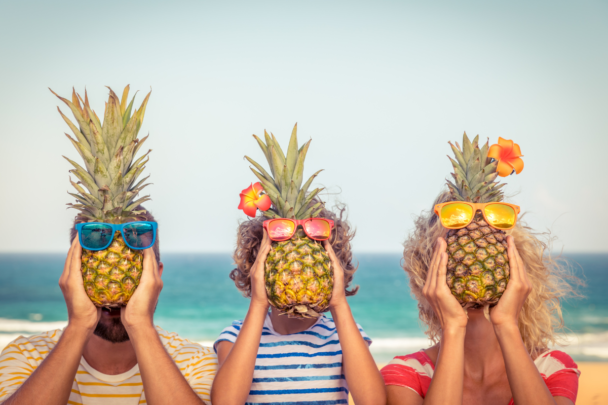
(551, 277)
(249, 239)
(147, 216)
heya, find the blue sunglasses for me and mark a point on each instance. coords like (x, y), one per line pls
(99, 235)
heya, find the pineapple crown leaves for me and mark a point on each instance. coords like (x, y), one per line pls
(290, 199)
(474, 176)
(107, 187)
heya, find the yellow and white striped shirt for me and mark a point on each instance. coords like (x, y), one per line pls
(20, 358)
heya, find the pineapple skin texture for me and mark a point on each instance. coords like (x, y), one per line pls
(111, 275)
(478, 265)
(299, 277)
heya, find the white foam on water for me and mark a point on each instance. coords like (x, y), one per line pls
(586, 344)
(29, 327)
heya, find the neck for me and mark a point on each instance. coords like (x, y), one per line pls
(109, 358)
(286, 326)
(482, 351)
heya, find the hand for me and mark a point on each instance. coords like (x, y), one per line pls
(506, 312)
(139, 311)
(338, 295)
(82, 312)
(256, 274)
(437, 293)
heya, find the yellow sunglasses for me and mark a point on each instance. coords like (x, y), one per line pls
(459, 214)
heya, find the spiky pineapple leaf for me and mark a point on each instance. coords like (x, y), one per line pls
(292, 153)
(264, 149)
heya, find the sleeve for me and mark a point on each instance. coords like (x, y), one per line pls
(561, 374)
(201, 372)
(364, 335)
(14, 369)
(407, 372)
(229, 334)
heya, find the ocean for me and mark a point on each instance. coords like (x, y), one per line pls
(199, 300)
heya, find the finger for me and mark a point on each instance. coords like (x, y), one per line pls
(334, 259)
(150, 253)
(432, 276)
(260, 260)
(513, 262)
(520, 262)
(75, 274)
(442, 271)
(68, 261)
(148, 270)
(434, 259)
(330, 250)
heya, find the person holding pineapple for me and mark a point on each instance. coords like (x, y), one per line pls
(488, 293)
(295, 260)
(110, 352)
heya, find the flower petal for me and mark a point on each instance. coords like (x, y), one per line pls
(507, 145)
(249, 191)
(518, 165)
(504, 169)
(249, 209)
(495, 151)
(257, 188)
(516, 151)
(263, 203)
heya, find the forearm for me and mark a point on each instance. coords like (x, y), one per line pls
(163, 382)
(235, 375)
(364, 379)
(51, 383)
(448, 379)
(526, 383)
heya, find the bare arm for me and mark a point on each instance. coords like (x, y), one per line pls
(526, 383)
(447, 384)
(448, 379)
(51, 382)
(237, 361)
(360, 369)
(162, 380)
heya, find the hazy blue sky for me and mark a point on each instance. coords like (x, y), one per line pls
(380, 87)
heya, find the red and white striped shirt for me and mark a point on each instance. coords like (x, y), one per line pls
(415, 372)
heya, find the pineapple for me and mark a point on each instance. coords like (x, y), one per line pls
(478, 266)
(107, 191)
(298, 272)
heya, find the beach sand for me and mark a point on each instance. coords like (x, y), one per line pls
(593, 384)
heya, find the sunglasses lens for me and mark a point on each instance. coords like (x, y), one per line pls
(139, 235)
(318, 229)
(500, 216)
(456, 215)
(281, 229)
(96, 236)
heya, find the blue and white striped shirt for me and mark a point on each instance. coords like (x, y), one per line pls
(301, 368)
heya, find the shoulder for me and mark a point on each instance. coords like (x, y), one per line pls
(329, 325)
(413, 371)
(182, 349)
(41, 343)
(419, 362)
(560, 373)
(229, 334)
(555, 361)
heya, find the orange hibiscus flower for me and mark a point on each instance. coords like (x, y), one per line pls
(252, 199)
(508, 155)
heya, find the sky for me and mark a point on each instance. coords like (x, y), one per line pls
(379, 86)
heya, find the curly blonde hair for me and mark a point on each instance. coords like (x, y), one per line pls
(249, 239)
(551, 279)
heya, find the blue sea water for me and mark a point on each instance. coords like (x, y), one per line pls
(198, 300)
